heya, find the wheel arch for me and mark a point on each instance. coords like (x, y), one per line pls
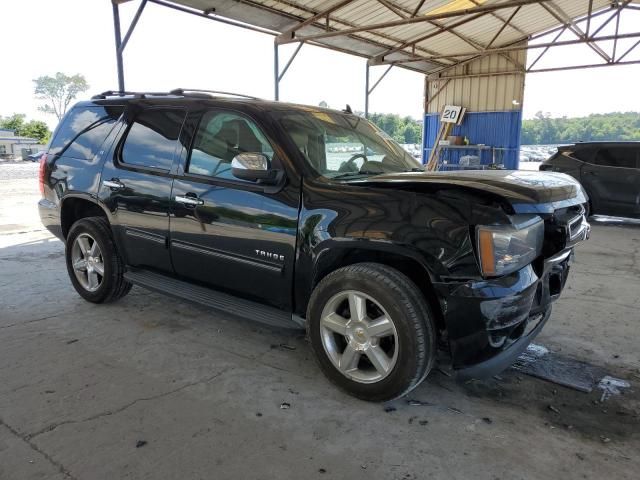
(335, 256)
(73, 207)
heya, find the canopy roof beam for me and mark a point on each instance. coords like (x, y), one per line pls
(520, 47)
(413, 20)
(564, 19)
(404, 13)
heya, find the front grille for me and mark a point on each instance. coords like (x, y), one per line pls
(564, 228)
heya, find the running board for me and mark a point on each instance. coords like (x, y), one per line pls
(220, 301)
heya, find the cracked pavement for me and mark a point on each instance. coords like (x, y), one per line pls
(82, 386)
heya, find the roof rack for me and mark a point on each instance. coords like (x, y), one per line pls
(116, 93)
(181, 92)
(186, 91)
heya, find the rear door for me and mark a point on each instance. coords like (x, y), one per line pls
(136, 184)
(613, 180)
(237, 236)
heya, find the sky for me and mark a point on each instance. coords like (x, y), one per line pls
(171, 49)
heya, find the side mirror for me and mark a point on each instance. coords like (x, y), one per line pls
(253, 167)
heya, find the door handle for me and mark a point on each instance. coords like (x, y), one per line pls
(113, 183)
(188, 200)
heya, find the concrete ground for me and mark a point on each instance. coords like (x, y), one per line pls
(151, 387)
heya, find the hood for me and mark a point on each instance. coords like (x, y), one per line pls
(526, 191)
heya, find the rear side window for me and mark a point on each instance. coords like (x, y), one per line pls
(83, 131)
(617, 157)
(152, 138)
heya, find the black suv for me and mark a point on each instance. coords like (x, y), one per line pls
(314, 218)
(608, 171)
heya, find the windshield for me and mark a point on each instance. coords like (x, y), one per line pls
(344, 147)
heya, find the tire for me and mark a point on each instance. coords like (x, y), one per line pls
(111, 284)
(409, 347)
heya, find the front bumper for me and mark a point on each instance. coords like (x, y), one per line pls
(491, 322)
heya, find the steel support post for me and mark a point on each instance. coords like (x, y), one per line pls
(366, 93)
(276, 70)
(118, 35)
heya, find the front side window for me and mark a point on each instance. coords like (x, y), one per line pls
(84, 129)
(617, 157)
(342, 146)
(152, 138)
(220, 137)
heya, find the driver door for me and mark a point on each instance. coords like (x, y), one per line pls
(231, 234)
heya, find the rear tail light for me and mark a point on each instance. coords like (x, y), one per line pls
(43, 163)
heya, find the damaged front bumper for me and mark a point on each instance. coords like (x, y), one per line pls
(491, 322)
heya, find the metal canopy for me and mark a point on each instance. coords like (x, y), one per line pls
(427, 36)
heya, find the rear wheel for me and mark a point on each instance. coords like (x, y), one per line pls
(95, 268)
(371, 331)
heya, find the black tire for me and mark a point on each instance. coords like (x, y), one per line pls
(113, 285)
(410, 313)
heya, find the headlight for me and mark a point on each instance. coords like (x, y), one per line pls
(504, 249)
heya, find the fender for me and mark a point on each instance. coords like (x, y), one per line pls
(329, 250)
(85, 197)
(317, 260)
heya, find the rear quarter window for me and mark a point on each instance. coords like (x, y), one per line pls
(584, 154)
(83, 131)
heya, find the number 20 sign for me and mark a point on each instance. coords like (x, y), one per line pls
(452, 114)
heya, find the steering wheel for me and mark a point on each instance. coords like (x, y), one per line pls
(348, 164)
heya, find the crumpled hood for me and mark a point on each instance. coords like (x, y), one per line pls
(527, 191)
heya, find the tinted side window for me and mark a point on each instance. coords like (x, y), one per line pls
(220, 137)
(617, 157)
(83, 130)
(584, 154)
(152, 138)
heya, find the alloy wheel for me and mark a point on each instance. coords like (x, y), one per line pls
(87, 261)
(359, 336)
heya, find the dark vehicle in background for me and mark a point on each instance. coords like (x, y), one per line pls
(311, 218)
(608, 171)
(35, 157)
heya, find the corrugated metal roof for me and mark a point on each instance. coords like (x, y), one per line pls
(386, 31)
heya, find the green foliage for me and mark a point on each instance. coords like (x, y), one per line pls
(37, 129)
(33, 128)
(14, 122)
(402, 130)
(607, 126)
(58, 91)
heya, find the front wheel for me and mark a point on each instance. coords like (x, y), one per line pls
(372, 331)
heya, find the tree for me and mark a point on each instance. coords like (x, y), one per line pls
(323, 104)
(37, 129)
(607, 126)
(58, 91)
(32, 129)
(15, 122)
(402, 130)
